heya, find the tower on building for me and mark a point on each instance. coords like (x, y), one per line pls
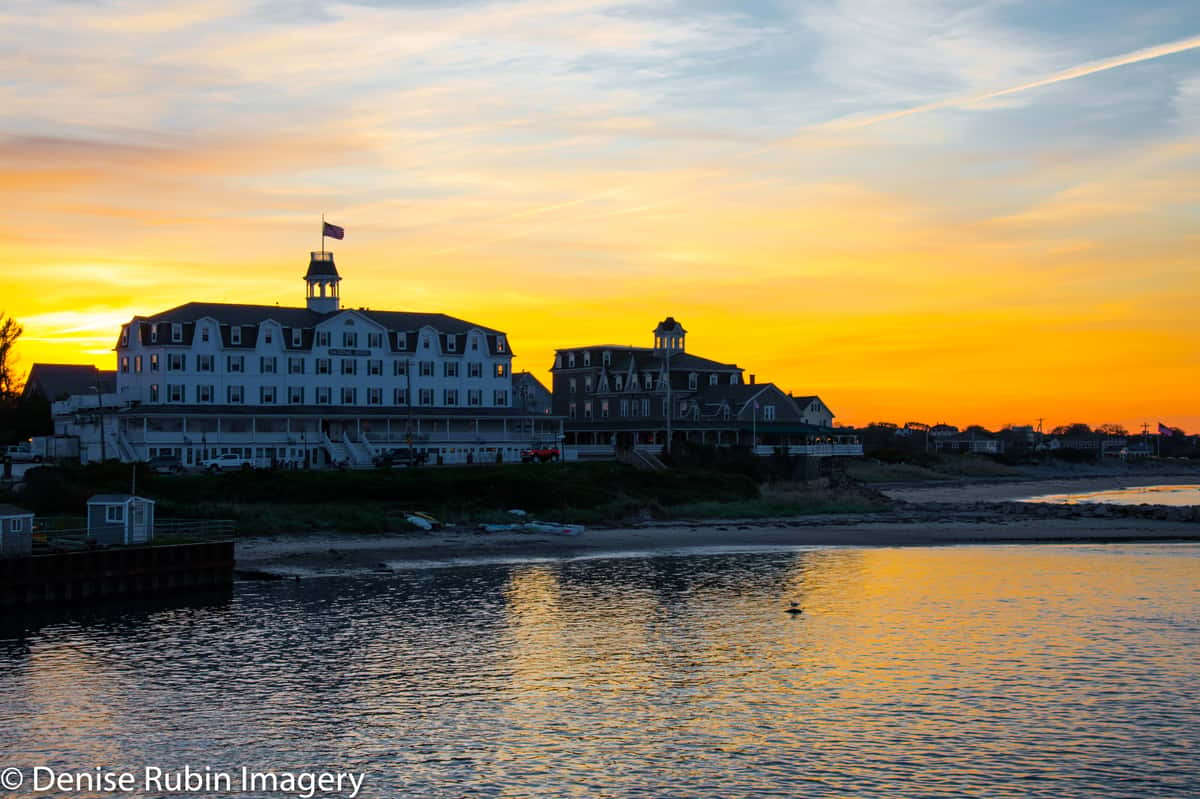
(322, 279)
(669, 336)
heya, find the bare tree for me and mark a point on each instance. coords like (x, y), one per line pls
(1112, 430)
(10, 331)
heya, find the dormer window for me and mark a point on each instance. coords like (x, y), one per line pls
(607, 358)
(125, 336)
(425, 342)
(451, 344)
(267, 336)
(571, 360)
(499, 343)
(204, 333)
(176, 333)
(734, 379)
(323, 338)
(374, 339)
(153, 334)
(587, 357)
(235, 335)
(297, 337)
(693, 381)
(474, 344)
(712, 379)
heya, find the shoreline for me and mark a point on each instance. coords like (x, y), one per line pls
(963, 514)
(332, 554)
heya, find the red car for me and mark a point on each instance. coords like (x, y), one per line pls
(539, 455)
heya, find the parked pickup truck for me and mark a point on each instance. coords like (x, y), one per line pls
(220, 463)
(22, 452)
(539, 454)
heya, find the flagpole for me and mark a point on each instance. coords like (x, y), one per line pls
(322, 237)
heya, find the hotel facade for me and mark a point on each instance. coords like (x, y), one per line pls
(316, 385)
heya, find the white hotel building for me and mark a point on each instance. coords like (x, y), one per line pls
(317, 385)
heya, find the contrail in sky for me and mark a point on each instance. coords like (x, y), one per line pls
(862, 121)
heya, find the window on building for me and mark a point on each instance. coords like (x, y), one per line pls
(587, 410)
(154, 362)
(125, 364)
(154, 392)
(295, 395)
(603, 409)
(425, 342)
(125, 336)
(266, 395)
(349, 366)
(475, 397)
(399, 368)
(587, 357)
(400, 396)
(474, 370)
(646, 407)
(426, 368)
(16, 525)
(374, 396)
(683, 409)
(324, 366)
(623, 409)
(349, 395)
(500, 399)
(450, 369)
(174, 392)
(571, 411)
(204, 363)
(693, 381)
(267, 336)
(401, 341)
(375, 340)
(204, 394)
(587, 384)
(606, 358)
(734, 379)
(501, 370)
(323, 338)
(425, 396)
(114, 514)
(572, 385)
(295, 366)
(176, 333)
(768, 413)
(349, 338)
(375, 367)
(451, 344)
(153, 334)
(501, 346)
(570, 360)
(236, 395)
(666, 409)
(204, 334)
(266, 364)
(235, 335)
(619, 383)
(450, 397)
(137, 363)
(713, 378)
(474, 343)
(324, 395)
(297, 337)
(235, 363)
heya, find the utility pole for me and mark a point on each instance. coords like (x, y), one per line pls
(100, 416)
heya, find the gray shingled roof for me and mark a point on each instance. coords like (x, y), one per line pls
(56, 380)
(13, 510)
(237, 314)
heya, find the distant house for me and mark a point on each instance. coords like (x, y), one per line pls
(120, 519)
(529, 395)
(16, 532)
(57, 381)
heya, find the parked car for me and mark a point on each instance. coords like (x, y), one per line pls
(399, 458)
(539, 454)
(165, 464)
(22, 453)
(229, 460)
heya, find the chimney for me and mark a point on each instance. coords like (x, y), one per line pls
(751, 379)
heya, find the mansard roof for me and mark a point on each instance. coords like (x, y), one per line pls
(646, 358)
(238, 314)
(56, 380)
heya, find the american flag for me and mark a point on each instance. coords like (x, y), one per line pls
(1163, 430)
(333, 231)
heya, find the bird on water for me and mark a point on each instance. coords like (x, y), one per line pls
(795, 609)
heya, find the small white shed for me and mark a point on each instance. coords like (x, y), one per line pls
(16, 532)
(120, 519)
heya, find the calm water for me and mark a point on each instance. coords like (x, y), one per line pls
(1142, 495)
(952, 672)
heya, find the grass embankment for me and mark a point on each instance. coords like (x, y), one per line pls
(933, 467)
(267, 502)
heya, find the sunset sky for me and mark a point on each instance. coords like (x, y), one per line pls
(927, 210)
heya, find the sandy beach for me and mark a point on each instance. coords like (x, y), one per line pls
(1022, 489)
